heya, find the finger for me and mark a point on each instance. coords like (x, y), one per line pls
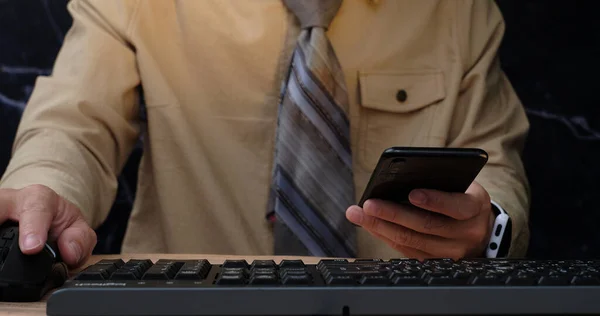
(441, 249)
(419, 220)
(396, 233)
(459, 206)
(76, 243)
(355, 214)
(406, 251)
(404, 237)
(35, 214)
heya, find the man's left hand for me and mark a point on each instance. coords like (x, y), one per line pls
(439, 225)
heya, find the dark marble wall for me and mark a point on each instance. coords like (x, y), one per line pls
(550, 53)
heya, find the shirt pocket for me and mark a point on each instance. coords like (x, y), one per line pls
(397, 108)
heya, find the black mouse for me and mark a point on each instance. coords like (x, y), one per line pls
(27, 278)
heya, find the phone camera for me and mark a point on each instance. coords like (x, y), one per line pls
(396, 165)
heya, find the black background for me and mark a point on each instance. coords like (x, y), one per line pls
(550, 53)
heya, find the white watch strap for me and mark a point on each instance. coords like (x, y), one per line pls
(498, 231)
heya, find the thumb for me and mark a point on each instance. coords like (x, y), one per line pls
(76, 243)
(479, 192)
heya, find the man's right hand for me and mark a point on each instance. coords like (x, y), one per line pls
(43, 215)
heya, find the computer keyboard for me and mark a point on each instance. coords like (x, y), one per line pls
(331, 287)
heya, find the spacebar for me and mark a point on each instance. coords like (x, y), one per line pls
(446, 281)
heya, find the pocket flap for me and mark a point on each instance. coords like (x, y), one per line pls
(400, 91)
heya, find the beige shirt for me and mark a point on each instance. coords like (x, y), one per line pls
(211, 72)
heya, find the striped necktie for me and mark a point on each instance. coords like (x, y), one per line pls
(312, 173)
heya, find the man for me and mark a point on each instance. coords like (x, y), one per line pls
(415, 73)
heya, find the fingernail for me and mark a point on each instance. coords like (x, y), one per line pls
(418, 196)
(76, 250)
(31, 241)
(355, 215)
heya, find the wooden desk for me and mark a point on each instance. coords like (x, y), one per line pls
(39, 308)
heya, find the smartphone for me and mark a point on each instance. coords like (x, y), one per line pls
(402, 169)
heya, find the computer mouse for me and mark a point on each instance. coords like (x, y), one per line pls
(27, 278)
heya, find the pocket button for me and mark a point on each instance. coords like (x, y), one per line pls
(401, 95)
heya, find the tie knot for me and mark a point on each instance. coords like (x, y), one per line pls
(313, 13)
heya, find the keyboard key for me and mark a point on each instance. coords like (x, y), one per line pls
(235, 264)
(189, 275)
(264, 279)
(407, 280)
(323, 263)
(290, 279)
(585, 280)
(97, 272)
(472, 262)
(368, 260)
(285, 273)
(260, 274)
(445, 280)
(409, 262)
(294, 270)
(91, 275)
(202, 267)
(142, 264)
(231, 279)
(488, 280)
(118, 263)
(374, 280)
(235, 271)
(404, 273)
(333, 261)
(172, 263)
(355, 274)
(462, 275)
(263, 271)
(126, 273)
(196, 263)
(156, 274)
(349, 269)
(340, 280)
(162, 271)
(258, 264)
(554, 280)
(132, 270)
(284, 264)
(295, 276)
(438, 273)
(438, 263)
(521, 280)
